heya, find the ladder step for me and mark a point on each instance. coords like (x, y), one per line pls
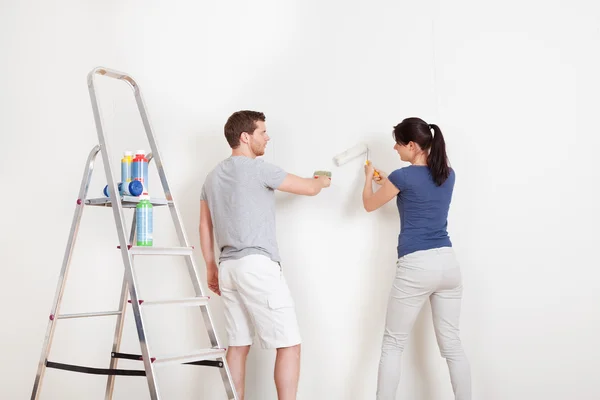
(126, 202)
(200, 355)
(138, 357)
(161, 251)
(86, 315)
(190, 301)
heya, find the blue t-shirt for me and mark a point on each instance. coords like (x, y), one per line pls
(423, 208)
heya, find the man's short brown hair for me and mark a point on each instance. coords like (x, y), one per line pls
(241, 121)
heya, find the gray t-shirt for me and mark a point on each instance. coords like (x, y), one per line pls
(241, 199)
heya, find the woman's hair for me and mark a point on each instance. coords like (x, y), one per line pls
(418, 131)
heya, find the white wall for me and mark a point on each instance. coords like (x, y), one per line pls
(512, 84)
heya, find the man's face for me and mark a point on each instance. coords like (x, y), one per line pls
(259, 138)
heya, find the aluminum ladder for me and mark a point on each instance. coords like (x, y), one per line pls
(212, 357)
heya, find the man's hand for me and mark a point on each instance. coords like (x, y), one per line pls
(212, 278)
(324, 181)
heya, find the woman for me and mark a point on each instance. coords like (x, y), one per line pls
(426, 266)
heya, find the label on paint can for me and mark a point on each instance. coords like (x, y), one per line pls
(125, 176)
(139, 172)
(144, 225)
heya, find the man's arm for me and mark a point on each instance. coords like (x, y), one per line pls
(304, 186)
(207, 244)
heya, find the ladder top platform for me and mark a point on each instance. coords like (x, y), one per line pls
(126, 202)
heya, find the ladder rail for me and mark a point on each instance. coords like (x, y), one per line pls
(120, 223)
(183, 240)
(110, 383)
(64, 272)
(129, 287)
(181, 235)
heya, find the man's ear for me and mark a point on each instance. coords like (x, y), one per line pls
(244, 137)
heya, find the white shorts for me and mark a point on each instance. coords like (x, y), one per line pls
(257, 300)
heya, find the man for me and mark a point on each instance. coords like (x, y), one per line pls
(238, 206)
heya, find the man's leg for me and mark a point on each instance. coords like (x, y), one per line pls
(287, 372)
(238, 323)
(236, 359)
(265, 294)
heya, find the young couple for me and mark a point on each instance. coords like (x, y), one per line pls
(238, 211)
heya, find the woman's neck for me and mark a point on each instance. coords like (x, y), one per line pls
(421, 159)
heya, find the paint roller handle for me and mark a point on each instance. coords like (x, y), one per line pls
(378, 175)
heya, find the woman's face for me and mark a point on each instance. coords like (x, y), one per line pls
(404, 151)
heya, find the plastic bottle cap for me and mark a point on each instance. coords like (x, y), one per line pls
(142, 152)
(136, 187)
(128, 153)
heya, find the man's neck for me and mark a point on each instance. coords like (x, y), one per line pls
(241, 151)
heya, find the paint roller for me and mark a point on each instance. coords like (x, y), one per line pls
(351, 154)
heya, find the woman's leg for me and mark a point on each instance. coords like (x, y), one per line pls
(409, 292)
(445, 307)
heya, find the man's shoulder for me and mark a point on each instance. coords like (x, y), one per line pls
(233, 165)
(257, 163)
(215, 171)
(220, 166)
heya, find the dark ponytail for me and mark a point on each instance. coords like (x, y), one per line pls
(418, 131)
(437, 159)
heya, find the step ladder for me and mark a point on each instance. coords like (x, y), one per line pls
(212, 357)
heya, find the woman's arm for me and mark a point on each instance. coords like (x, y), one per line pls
(372, 201)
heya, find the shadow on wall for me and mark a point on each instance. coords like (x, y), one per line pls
(201, 157)
(204, 159)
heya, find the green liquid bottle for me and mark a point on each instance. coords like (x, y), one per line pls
(143, 215)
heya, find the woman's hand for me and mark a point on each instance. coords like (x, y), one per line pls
(375, 174)
(380, 177)
(369, 170)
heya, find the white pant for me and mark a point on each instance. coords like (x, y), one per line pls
(257, 300)
(434, 275)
